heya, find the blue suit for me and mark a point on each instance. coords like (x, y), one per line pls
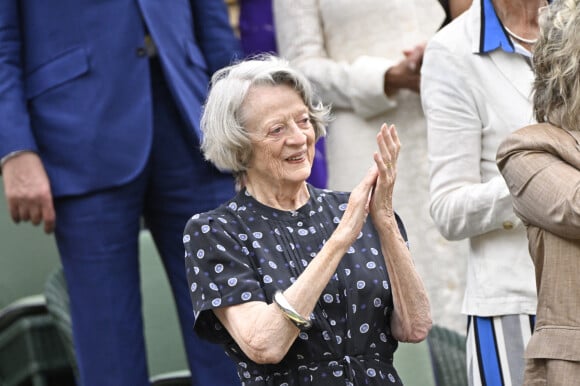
(118, 133)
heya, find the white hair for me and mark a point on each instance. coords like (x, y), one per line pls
(226, 143)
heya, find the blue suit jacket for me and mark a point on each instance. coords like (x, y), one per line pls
(74, 88)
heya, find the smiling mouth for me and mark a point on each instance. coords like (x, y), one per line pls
(295, 158)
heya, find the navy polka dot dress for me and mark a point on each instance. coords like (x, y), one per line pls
(244, 251)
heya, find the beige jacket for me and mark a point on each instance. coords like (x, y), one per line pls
(541, 165)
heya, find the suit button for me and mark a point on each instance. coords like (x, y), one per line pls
(507, 225)
(141, 52)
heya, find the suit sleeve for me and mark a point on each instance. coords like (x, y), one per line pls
(15, 131)
(461, 204)
(544, 179)
(214, 33)
(357, 85)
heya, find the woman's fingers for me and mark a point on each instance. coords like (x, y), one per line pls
(364, 188)
(392, 141)
(383, 167)
(359, 204)
(395, 140)
(389, 146)
(382, 143)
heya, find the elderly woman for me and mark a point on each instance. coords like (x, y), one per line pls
(476, 90)
(296, 283)
(541, 165)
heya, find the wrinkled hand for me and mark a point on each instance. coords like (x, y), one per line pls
(358, 207)
(27, 190)
(381, 203)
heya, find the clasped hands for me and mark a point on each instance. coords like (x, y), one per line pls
(374, 194)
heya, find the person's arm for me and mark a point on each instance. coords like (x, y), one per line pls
(461, 205)
(26, 184)
(261, 330)
(300, 37)
(15, 131)
(215, 34)
(543, 174)
(411, 318)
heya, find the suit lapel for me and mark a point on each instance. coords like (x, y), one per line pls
(521, 80)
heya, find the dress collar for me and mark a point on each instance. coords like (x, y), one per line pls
(244, 201)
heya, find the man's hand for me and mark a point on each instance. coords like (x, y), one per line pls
(27, 190)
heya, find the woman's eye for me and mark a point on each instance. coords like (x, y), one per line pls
(276, 130)
(304, 121)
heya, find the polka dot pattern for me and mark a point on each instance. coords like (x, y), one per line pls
(244, 251)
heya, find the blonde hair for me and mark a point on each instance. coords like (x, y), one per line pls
(557, 65)
(226, 143)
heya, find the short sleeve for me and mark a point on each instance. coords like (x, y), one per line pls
(219, 270)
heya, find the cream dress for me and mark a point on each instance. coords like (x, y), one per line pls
(345, 47)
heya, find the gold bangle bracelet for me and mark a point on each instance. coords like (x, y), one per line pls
(299, 321)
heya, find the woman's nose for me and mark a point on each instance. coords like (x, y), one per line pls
(296, 134)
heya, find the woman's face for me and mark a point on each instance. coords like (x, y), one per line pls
(282, 135)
